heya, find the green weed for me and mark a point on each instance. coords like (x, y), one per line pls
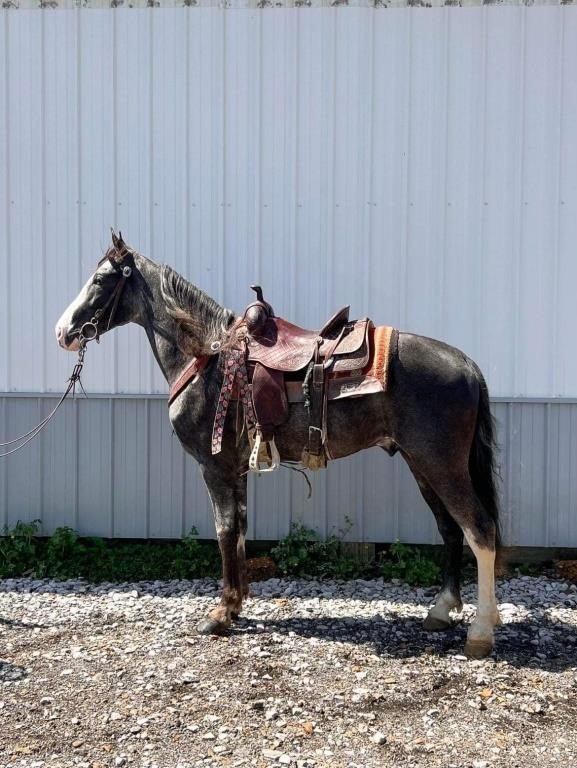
(303, 553)
(66, 555)
(410, 565)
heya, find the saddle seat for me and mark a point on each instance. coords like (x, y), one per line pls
(282, 346)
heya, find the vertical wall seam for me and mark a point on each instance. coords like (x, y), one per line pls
(146, 442)
(183, 457)
(547, 476)
(79, 126)
(554, 384)
(482, 282)
(151, 15)
(517, 252)
(4, 464)
(43, 179)
(224, 158)
(7, 182)
(111, 498)
(442, 310)
(76, 493)
(115, 173)
(405, 242)
(258, 203)
(187, 145)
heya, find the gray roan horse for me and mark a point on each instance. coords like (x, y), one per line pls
(435, 412)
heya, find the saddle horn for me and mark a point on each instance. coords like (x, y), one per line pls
(257, 313)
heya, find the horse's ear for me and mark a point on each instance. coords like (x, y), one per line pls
(117, 240)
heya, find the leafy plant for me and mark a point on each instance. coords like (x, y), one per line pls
(67, 555)
(19, 549)
(303, 553)
(410, 565)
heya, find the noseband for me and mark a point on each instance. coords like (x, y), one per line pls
(90, 331)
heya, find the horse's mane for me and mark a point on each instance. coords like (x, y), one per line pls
(200, 318)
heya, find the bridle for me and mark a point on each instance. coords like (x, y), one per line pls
(89, 330)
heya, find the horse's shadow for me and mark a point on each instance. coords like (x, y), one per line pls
(11, 673)
(517, 643)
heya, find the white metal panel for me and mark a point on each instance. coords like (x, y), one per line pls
(418, 163)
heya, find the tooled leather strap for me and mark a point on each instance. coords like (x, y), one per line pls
(235, 374)
(196, 365)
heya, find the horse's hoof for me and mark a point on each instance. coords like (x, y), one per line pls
(478, 649)
(211, 627)
(433, 624)
(234, 615)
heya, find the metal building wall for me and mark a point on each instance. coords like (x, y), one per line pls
(419, 164)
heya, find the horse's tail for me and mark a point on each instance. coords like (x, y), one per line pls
(482, 459)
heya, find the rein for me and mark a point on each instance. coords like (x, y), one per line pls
(72, 382)
(88, 332)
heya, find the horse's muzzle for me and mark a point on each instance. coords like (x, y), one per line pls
(67, 342)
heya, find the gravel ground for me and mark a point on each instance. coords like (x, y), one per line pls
(315, 674)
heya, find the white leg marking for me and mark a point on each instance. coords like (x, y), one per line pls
(481, 629)
(444, 603)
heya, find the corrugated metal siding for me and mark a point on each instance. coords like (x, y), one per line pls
(417, 163)
(420, 164)
(111, 467)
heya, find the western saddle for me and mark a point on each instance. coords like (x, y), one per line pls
(269, 362)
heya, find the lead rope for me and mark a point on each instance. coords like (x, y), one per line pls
(72, 382)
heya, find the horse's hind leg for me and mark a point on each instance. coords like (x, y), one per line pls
(449, 597)
(230, 530)
(459, 497)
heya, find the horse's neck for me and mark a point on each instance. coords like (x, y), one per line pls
(161, 329)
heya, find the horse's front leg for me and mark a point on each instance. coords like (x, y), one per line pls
(230, 531)
(241, 502)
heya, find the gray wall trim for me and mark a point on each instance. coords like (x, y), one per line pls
(110, 466)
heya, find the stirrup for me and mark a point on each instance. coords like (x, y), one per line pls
(271, 463)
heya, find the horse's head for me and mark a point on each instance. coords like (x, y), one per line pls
(103, 302)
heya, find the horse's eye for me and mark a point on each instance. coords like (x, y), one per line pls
(97, 280)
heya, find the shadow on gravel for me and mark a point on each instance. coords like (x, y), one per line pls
(14, 624)
(9, 673)
(517, 643)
